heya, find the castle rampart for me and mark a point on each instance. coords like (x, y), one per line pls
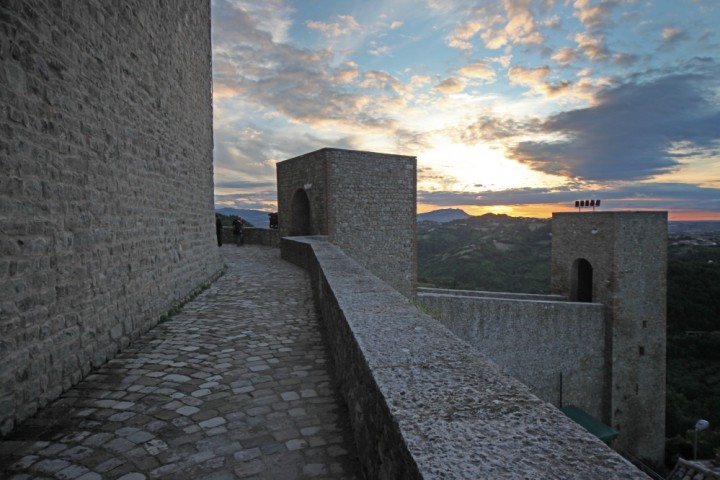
(425, 404)
(556, 348)
(106, 188)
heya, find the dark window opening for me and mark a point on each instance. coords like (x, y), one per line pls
(300, 224)
(582, 281)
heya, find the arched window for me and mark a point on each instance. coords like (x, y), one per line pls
(300, 225)
(582, 281)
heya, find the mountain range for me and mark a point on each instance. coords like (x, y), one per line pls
(258, 218)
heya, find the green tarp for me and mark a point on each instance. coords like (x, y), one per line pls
(590, 423)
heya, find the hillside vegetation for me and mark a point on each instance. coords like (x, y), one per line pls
(491, 252)
(502, 253)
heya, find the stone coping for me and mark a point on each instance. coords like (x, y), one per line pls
(423, 403)
(484, 294)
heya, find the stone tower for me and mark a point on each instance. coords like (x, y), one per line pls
(619, 259)
(364, 202)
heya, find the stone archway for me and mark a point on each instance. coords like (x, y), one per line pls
(300, 224)
(582, 281)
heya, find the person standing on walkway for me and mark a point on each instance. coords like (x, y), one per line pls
(238, 230)
(218, 229)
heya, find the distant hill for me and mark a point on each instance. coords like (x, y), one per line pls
(257, 217)
(489, 252)
(443, 215)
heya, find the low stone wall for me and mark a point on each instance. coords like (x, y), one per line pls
(507, 295)
(253, 236)
(425, 404)
(555, 348)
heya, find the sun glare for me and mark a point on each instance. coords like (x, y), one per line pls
(475, 168)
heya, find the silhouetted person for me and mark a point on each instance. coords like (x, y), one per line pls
(273, 219)
(238, 231)
(218, 229)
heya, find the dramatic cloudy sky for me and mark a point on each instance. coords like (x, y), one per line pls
(511, 106)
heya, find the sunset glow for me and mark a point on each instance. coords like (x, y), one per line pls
(515, 106)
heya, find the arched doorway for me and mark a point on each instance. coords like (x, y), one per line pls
(300, 224)
(582, 281)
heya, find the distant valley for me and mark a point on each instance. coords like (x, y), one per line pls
(257, 218)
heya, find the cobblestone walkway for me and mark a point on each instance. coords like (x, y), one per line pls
(237, 385)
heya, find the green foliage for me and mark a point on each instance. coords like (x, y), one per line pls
(693, 392)
(693, 288)
(501, 253)
(490, 252)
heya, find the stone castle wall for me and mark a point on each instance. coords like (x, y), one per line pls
(365, 202)
(425, 404)
(106, 188)
(628, 255)
(306, 173)
(556, 348)
(372, 216)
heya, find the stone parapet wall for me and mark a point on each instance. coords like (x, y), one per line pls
(425, 404)
(555, 348)
(106, 184)
(484, 294)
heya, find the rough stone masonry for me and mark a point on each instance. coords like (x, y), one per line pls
(106, 190)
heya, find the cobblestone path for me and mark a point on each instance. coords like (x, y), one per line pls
(237, 385)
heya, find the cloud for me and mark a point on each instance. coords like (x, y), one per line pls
(489, 128)
(519, 75)
(566, 56)
(243, 184)
(292, 83)
(674, 35)
(624, 59)
(347, 75)
(498, 24)
(594, 16)
(629, 132)
(622, 195)
(478, 70)
(419, 81)
(395, 25)
(345, 25)
(379, 51)
(451, 85)
(383, 81)
(592, 47)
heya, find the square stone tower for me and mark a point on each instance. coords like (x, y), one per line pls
(619, 259)
(364, 202)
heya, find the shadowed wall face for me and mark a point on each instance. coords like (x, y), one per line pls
(106, 189)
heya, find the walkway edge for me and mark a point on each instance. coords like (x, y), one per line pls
(422, 403)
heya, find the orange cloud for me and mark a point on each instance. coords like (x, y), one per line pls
(479, 70)
(345, 25)
(451, 85)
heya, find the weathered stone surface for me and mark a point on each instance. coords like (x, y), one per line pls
(364, 202)
(105, 183)
(244, 316)
(627, 255)
(423, 403)
(555, 348)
